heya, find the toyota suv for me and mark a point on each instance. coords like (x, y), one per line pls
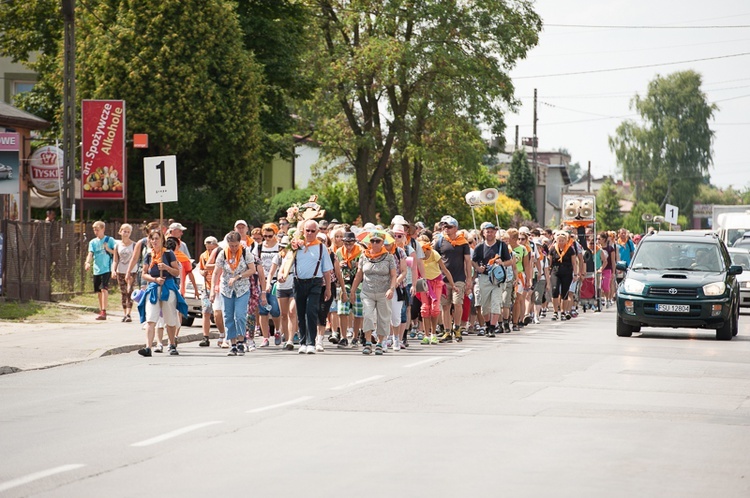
(679, 279)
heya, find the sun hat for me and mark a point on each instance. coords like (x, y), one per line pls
(399, 229)
(177, 226)
(399, 220)
(211, 240)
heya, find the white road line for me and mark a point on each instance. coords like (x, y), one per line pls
(422, 362)
(462, 351)
(279, 405)
(175, 433)
(39, 475)
(357, 382)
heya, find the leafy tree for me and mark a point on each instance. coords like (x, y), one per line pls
(386, 67)
(575, 172)
(634, 222)
(521, 182)
(669, 155)
(282, 201)
(608, 216)
(708, 194)
(510, 212)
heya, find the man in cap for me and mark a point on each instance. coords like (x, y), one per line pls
(243, 228)
(207, 271)
(494, 298)
(455, 252)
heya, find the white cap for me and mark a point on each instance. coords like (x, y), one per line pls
(240, 222)
(177, 226)
(399, 220)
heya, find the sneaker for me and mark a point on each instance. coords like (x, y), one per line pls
(295, 339)
(413, 333)
(226, 344)
(396, 345)
(459, 335)
(446, 337)
(318, 345)
(515, 328)
(205, 342)
(367, 349)
(379, 349)
(349, 333)
(250, 346)
(102, 316)
(439, 328)
(491, 330)
(343, 343)
(481, 331)
(159, 348)
(289, 346)
(233, 351)
(425, 339)
(536, 320)
(302, 349)
(527, 319)
(173, 350)
(265, 343)
(555, 316)
(311, 349)
(574, 313)
(258, 332)
(434, 340)
(420, 336)
(241, 348)
(385, 346)
(404, 344)
(506, 327)
(144, 352)
(277, 339)
(123, 318)
(334, 337)
(128, 319)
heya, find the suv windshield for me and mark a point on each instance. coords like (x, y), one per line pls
(683, 255)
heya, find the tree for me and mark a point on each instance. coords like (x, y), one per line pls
(669, 155)
(608, 216)
(574, 172)
(521, 182)
(387, 66)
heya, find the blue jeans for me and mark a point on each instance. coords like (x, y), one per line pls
(235, 314)
(274, 302)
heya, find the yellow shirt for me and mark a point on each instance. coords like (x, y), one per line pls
(432, 266)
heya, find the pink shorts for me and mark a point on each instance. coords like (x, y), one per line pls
(606, 278)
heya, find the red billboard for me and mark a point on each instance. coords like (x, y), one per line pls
(103, 149)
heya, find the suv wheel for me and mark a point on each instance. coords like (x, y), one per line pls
(623, 329)
(728, 330)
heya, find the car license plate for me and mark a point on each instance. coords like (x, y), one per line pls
(673, 308)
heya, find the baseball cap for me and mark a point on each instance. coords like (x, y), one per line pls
(524, 229)
(419, 225)
(240, 222)
(323, 224)
(211, 240)
(487, 224)
(349, 237)
(177, 226)
(449, 220)
(284, 242)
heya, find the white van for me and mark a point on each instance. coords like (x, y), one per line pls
(732, 226)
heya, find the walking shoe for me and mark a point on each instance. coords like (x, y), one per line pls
(144, 352)
(491, 330)
(302, 349)
(128, 319)
(205, 342)
(536, 320)
(102, 316)
(434, 340)
(574, 313)
(295, 339)
(318, 344)
(385, 346)
(250, 346)
(413, 333)
(334, 337)
(233, 351)
(420, 336)
(506, 327)
(378, 349)
(349, 333)
(439, 328)
(555, 316)
(396, 345)
(159, 348)
(277, 339)
(258, 332)
(123, 318)
(481, 332)
(367, 349)
(289, 346)
(404, 344)
(265, 343)
(446, 337)
(173, 350)
(459, 335)
(568, 316)
(515, 328)
(241, 348)
(527, 319)
(343, 343)
(311, 349)
(425, 340)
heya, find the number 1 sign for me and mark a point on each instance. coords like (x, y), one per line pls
(160, 178)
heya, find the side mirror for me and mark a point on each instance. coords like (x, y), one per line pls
(622, 266)
(735, 270)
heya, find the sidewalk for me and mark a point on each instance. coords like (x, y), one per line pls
(30, 346)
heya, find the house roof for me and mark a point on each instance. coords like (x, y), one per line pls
(13, 117)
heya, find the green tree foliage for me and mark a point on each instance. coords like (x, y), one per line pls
(634, 222)
(708, 194)
(668, 156)
(608, 216)
(521, 182)
(510, 212)
(284, 200)
(393, 72)
(575, 172)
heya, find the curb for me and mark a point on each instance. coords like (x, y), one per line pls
(4, 370)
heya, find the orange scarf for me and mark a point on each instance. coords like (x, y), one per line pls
(565, 249)
(350, 256)
(156, 259)
(229, 257)
(458, 241)
(622, 242)
(374, 255)
(313, 243)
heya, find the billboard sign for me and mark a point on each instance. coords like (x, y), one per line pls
(103, 149)
(45, 167)
(10, 171)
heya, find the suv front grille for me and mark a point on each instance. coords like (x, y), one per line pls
(681, 291)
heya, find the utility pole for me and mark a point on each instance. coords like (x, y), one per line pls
(588, 175)
(69, 111)
(540, 191)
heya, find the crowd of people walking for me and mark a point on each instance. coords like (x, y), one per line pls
(371, 288)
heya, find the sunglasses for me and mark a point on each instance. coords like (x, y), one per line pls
(522, 238)
(348, 242)
(267, 236)
(376, 241)
(310, 231)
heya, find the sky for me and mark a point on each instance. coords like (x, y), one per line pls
(580, 112)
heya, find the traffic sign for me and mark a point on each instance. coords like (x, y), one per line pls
(160, 179)
(670, 214)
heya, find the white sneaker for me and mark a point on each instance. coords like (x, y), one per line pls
(302, 349)
(318, 344)
(536, 319)
(397, 345)
(349, 333)
(310, 349)
(250, 346)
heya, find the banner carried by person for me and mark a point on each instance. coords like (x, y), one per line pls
(103, 149)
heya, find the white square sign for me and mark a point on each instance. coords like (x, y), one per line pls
(670, 214)
(160, 178)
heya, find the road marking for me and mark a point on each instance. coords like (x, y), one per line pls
(422, 362)
(462, 351)
(357, 382)
(39, 475)
(175, 433)
(279, 405)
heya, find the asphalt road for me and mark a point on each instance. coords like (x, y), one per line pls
(564, 409)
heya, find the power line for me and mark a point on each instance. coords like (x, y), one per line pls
(609, 70)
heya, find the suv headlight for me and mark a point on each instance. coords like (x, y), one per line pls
(632, 286)
(714, 289)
